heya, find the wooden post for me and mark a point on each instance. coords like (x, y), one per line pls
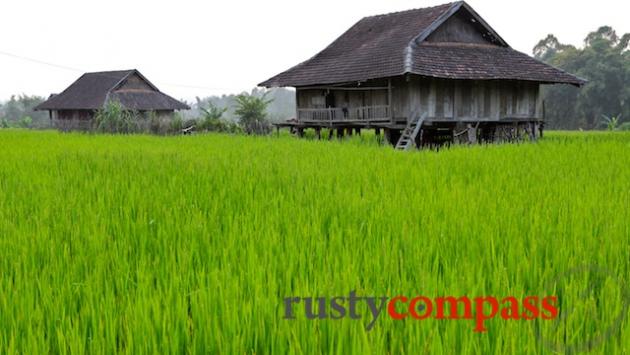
(318, 132)
(349, 131)
(531, 131)
(339, 132)
(357, 131)
(300, 132)
(377, 131)
(389, 99)
(331, 134)
(387, 135)
(472, 134)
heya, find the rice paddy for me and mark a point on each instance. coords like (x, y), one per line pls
(141, 244)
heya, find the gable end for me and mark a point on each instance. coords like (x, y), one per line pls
(462, 28)
(134, 82)
(467, 15)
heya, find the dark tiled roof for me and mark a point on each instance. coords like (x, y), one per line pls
(147, 101)
(91, 90)
(484, 62)
(386, 45)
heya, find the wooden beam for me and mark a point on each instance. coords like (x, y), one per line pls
(340, 88)
(472, 134)
(389, 98)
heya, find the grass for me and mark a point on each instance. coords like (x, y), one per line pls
(142, 244)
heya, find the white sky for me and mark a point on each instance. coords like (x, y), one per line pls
(229, 46)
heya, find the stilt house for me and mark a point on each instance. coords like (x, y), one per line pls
(423, 76)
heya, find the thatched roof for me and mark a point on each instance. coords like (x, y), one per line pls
(92, 90)
(396, 44)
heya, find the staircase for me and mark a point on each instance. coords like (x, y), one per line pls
(408, 137)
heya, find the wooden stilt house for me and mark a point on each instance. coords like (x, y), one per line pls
(423, 76)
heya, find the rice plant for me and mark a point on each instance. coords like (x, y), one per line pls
(188, 244)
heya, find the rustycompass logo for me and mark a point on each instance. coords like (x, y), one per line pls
(478, 310)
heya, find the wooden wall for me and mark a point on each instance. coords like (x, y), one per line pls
(86, 115)
(470, 99)
(316, 98)
(440, 99)
(73, 114)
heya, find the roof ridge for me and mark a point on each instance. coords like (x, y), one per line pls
(412, 10)
(111, 71)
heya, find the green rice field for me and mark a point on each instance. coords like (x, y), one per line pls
(189, 244)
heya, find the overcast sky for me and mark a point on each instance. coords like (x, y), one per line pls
(199, 48)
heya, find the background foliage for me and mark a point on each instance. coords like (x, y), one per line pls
(605, 62)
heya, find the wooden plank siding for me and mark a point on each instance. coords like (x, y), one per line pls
(442, 99)
(436, 99)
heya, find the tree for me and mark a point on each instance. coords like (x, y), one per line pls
(19, 107)
(605, 62)
(547, 48)
(280, 109)
(252, 113)
(212, 118)
(611, 123)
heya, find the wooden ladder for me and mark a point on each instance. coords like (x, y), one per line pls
(408, 137)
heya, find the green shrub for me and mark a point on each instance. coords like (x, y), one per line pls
(624, 126)
(114, 118)
(252, 112)
(177, 123)
(154, 122)
(212, 120)
(25, 122)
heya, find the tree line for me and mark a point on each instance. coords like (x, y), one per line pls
(604, 102)
(219, 113)
(18, 112)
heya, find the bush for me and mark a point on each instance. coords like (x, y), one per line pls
(252, 112)
(155, 125)
(114, 118)
(212, 120)
(177, 123)
(624, 126)
(25, 122)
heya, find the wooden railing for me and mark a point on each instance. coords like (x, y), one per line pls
(338, 114)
